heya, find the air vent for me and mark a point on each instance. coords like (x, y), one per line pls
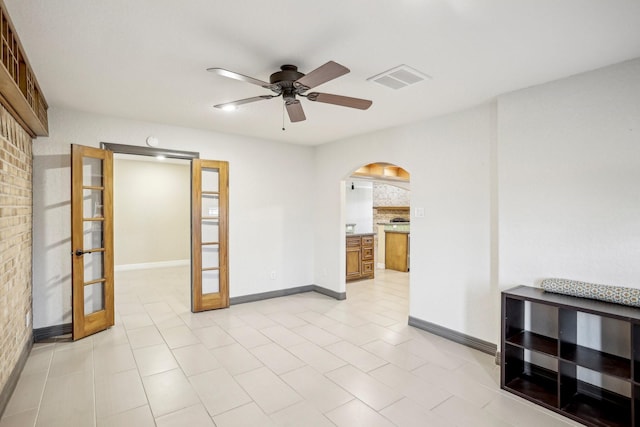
(399, 77)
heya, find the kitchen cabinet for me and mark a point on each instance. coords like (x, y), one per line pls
(396, 250)
(359, 257)
(574, 356)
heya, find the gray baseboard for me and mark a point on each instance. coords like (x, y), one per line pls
(328, 292)
(12, 381)
(285, 292)
(47, 332)
(455, 336)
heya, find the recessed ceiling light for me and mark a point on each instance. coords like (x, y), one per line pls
(229, 108)
(399, 77)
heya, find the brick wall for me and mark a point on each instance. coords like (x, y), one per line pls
(15, 247)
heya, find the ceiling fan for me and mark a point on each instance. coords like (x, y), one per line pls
(289, 83)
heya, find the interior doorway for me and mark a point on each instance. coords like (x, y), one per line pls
(377, 208)
(152, 229)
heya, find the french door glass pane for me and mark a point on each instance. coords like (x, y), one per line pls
(91, 203)
(93, 298)
(210, 205)
(92, 235)
(210, 282)
(209, 179)
(91, 172)
(210, 256)
(210, 231)
(93, 266)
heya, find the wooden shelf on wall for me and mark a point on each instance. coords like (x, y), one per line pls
(19, 90)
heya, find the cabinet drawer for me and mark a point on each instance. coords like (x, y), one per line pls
(367, 253)
(367, 240)
(353, 241)
(367, 268)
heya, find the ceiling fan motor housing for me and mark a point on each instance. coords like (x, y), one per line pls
(286, 76)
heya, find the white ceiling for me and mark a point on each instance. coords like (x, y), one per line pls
(146, 59)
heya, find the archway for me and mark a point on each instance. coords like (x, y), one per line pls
(376, 206)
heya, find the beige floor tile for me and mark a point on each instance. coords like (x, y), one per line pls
(179, 336)
(276, 358)
(516, 411)
(118, 392)
(356, 356)
(317, 357)
(168, 392)
(357, 336)
(195, 416)
(195, 359)
(316, 335)
(21, 419)
(411, 386)
(461, 412)
(282, 336)
(256, 320)
(213, 336)
(154, 359)
(248, 336)
(144, 337)
(219, 391)
(316, 389)
(392, 354)
(68, 400)
(136, 320)
(456, 384)
(267, 390)
(138, 417)
(357, 414)
(300, 414)
(406, 413)
(236, 359)
(167, 320)
(39, 360)
(71, 360)
(288, 320)
(364, 387)
(318, 319)
(248, 415)
(27, 393)
(110, 360)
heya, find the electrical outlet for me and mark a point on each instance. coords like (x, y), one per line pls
(273, 275)
(27, 320)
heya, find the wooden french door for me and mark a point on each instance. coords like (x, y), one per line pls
(91, 240)
(209, 225)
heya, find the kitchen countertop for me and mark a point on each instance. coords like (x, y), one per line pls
(359, 234)
(397, 231)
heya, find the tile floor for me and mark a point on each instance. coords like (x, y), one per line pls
(303, 360)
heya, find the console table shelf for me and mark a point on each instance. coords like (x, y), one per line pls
(554, 356)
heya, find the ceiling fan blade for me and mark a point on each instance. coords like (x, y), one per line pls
(345, 101)
(322, 74)
(233, 104)
(241, 77)
(295, 111)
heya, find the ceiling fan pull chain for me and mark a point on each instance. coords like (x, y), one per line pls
(283, 116)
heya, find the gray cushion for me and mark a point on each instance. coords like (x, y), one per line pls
(616, 294)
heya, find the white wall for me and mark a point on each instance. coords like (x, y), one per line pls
(570, 179)
(448, 159)
(359, 205)
(270, 199)
(152, 211)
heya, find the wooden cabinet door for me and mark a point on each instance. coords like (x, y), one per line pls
(354, 267)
